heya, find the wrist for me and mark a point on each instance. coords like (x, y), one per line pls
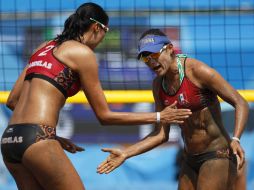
(158, 117)
(236, 139)
(125, 155)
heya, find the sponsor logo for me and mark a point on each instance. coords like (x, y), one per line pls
(10, 130)
(182, 99)
(40, 63)
(11, 140)
(147, 40)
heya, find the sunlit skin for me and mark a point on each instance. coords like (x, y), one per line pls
(203, 131)
(39, 102)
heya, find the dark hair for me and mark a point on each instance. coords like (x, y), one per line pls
(79, 22)
(153, 31)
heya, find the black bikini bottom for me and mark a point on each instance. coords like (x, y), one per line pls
(195, 161)
(17, 138)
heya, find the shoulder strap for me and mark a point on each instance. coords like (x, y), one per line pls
(180, 66)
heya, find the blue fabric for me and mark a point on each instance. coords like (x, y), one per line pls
(152, 43)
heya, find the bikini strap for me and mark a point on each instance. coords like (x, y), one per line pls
(180, 66)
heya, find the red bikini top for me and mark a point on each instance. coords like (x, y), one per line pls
(188, 95)
(44, 65)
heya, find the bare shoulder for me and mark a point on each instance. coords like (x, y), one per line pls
(74, 54)
(74, 48)
(196, 67)
(198, 71)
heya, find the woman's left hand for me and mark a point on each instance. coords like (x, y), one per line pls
(239, 152)
(68, 145)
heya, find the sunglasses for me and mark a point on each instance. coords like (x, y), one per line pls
(105, 28)
(147, 58)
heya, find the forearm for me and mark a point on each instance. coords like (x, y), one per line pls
(12, 101)
(241, 115)
(141, 147)
(127, 118)
(154, 139)
(14, 95)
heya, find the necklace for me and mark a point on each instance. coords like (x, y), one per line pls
(171, 90)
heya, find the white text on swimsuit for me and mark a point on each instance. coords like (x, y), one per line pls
(40, 64)
(10, 140)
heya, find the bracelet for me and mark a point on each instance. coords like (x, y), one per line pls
(236, 139)
(158, 117)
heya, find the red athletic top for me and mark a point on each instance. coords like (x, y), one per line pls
(44, 65)
(188, 96)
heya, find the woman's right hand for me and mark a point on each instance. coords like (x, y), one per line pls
(171, 114)
(113, 161)
(69, 146)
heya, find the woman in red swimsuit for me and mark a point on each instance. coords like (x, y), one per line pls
(210, 155)
(59, 69)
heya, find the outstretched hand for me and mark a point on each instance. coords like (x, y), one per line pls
(114, 160)
(68, 145)
(172, 115)
(239, 152)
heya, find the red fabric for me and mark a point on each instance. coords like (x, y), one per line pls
(43, 62)
(188, 96)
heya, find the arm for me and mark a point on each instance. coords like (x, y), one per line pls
(118, 156)
(211, 79)
(14, 95)
(87, 68)
(154, 139)
(158, 136)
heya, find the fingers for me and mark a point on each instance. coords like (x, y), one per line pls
(239, 152)
(112, 151)
(173, 105)
(106, 149)
(179, 117)
(106, 167)
(68, 145)
(79, 149)
(172, 115)
(102, 165)
(72, 148)
(241, 158)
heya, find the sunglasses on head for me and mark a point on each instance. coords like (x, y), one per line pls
(146, 57)
(105, 28)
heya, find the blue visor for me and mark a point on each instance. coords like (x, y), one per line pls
(152, 43)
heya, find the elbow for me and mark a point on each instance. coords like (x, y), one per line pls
(104, 119)
(247, 105)
(163, 138)
(103, 122)
(244, 104)
(11, 104)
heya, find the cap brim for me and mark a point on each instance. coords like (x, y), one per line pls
(153, 49)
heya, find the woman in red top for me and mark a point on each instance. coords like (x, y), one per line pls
(59, 69)
(210, 155)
